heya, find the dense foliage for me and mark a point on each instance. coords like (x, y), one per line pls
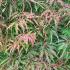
(34, 34)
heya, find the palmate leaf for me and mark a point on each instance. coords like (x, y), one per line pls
(23, 40)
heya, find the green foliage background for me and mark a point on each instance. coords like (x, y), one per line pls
(51, 50)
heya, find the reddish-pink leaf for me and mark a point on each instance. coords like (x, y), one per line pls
(28, 38)
(14, 46)
(66, 5)
(24, 38)
(31, 16)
